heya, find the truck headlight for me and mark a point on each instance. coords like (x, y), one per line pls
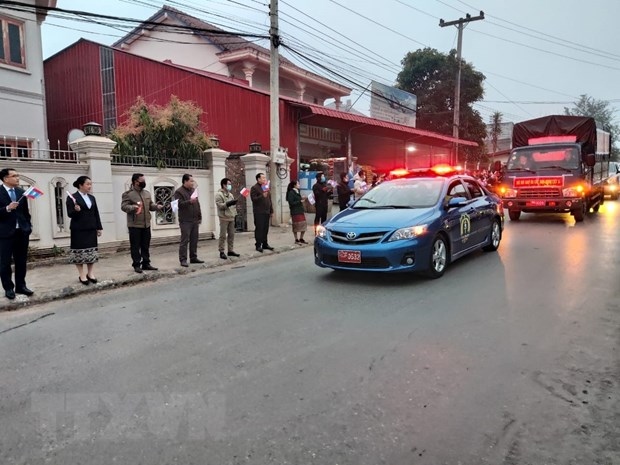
(508, 193)
(408, 233)
(574, 191)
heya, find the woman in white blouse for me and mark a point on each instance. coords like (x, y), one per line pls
(85, 229)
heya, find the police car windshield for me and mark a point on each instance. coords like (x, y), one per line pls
(403, 193)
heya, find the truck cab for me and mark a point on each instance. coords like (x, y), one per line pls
(554, 167)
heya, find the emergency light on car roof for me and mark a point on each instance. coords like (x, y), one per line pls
(437, 170)
(399, 173)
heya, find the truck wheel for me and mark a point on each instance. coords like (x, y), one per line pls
(514, 214)
(596, 208)
(580, 214)
(439, 258)
(496, 237)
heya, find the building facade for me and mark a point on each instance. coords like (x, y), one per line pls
(23, 127)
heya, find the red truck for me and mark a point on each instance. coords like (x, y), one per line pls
(557, 164)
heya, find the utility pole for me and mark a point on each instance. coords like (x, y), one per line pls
(460, 24)
(274, 92)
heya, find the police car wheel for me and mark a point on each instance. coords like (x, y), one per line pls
(439, 258)
(496, 237)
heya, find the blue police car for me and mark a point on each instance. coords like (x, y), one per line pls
(418, 223)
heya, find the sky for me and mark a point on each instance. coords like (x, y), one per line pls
(538, 56)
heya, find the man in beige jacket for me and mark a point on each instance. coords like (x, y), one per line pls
(226, 212)
(138, 204)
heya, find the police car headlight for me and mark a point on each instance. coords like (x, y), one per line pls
(509, 193)
(408, 233)
(321, 232)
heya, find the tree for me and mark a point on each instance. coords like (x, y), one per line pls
(165, 132)
(431, 76)
(602, 113)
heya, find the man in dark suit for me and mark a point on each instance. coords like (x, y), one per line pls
(15, 229)
(262, 208)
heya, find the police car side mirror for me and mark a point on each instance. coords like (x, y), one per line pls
(590, 159)
(456, 202)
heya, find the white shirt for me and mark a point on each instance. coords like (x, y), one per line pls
(8, 192)
(87, 200)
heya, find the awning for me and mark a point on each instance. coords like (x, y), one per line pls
(327, 117)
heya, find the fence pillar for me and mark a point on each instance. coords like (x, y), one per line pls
(96, 151)
(253, 163)
(216, 159)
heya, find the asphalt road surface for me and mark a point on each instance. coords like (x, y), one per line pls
(510, 358)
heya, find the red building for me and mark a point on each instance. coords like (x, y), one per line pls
(92, 82)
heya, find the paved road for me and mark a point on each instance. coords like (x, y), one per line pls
(510, 358)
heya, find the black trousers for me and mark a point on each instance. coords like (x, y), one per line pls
(261, 228)
(189, 235)
(16, 248)
(139, 242)
(321, 214)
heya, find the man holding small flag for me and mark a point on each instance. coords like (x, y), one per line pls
(15, 229)
(262, 209)
(138, 204)
(226, 212)
(190, 217)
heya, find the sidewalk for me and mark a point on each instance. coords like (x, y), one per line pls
(60, 280)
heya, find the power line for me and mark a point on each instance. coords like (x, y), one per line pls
(58, 13)
(538, 32)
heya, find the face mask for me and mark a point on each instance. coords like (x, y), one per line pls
(228, 187)
(142, 184)
(322, 178)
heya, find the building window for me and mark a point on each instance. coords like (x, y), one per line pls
(12, 42)
(164, 195)
(108, 88)
(59, 191)
(14, 147)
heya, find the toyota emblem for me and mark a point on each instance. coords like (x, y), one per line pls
(351, 235)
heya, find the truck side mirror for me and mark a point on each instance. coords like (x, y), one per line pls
(590, 159)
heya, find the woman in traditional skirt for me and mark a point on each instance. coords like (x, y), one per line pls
(295, 203)
(85, 228)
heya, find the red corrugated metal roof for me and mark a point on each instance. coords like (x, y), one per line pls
(342, 115)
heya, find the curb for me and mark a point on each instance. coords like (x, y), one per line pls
(72, 291)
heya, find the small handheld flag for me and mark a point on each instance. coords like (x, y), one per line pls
(71, 197)
(266, 186)
(245, 192)
(32, 192)
(175, 205)
(194, 194)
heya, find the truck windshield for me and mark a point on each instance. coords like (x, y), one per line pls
(535, 158)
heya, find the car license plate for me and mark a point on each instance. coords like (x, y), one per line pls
(535, 203)
(349, 256)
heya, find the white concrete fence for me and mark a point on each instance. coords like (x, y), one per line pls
(94, 159)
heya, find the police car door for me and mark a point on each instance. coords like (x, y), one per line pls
(481, 211)
(456, 220)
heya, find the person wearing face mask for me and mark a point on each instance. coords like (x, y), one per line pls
(321, 191)
(190, 217)
(138, 204)
(226, 212)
